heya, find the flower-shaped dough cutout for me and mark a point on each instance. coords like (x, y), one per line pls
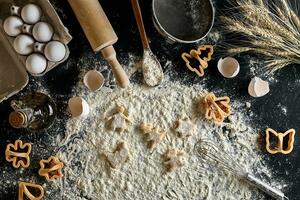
(154, 135)
(120, 119)
(215, 108)
(185, 127)
(18, 153)
(51, 168)
(203, 61)
(280, 147)
(120, 156)
(30, 191)
(174, 159)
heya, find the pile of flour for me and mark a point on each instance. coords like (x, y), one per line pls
(88, 176)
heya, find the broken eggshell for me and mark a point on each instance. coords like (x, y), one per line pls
(229, 67)
(93, 80)
(78, 107)
(258, 88)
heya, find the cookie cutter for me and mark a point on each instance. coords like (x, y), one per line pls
(155, 135)
(195, 54)
(174, 159)
(120, 156)
(216, 108)
(18, 153)
(25, 191)
(280, 146)
(120, 119)
(51, 168)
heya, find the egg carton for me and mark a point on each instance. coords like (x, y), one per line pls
(13, 75)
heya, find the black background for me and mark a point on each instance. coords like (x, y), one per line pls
(59, 83)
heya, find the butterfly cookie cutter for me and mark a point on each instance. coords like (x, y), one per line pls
(18, 153)
(195, 54)
(280, 144)
(30, 191)
(51, 168)
(215, 108)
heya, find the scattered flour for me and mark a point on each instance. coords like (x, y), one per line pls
(87, 175)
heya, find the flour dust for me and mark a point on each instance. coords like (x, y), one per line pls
(87, 175)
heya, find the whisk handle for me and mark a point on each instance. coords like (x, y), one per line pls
(273, 192)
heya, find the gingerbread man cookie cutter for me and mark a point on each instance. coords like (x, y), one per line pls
(216, 108)
(195, 54)
(30, 191)
(18, 153)
(120, 119)
(280, 141)
(51, 168)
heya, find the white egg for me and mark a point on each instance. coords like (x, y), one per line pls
(55, 51)
(36, 63)
(23, 44)
(31, 13)
(13, 26)
(42, 32)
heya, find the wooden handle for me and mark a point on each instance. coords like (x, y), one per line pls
(139, 20)
(120, 75)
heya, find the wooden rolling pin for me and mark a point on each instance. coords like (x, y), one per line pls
(100, 34)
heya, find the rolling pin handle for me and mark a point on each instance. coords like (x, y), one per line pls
(120, 75)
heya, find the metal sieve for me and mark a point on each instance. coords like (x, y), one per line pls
(184, 21)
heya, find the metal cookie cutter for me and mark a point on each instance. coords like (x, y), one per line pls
(203, 60)
(280, 137)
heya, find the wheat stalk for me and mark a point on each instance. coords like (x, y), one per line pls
(272, 30)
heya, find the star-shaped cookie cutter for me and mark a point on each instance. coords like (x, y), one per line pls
(30, 191)
(18, 153)
(216, 108)
(51, 168)
(174, 159)
(280, 141)
(195, 54)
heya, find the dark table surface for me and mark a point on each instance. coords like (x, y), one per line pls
(60, 82)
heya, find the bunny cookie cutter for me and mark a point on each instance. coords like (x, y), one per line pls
(195, 54)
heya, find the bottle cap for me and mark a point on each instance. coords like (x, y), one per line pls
(17, 119)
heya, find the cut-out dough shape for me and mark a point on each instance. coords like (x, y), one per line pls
(185, 128)
(195, 54)
(18, 153)
(120, 156)
(280, 137)
(154, 134)
(51, 168)
(174, 159)
(216, 108)
(30, 191)
(119, 120)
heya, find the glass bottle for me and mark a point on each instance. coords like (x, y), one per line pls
(35, 111)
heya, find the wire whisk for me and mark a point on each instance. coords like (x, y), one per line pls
(216, 157)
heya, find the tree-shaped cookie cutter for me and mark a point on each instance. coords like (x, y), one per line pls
(18, 153)
(30, 191)
(216, 108)
(51, 168)
(280, 144)
(195, 54)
